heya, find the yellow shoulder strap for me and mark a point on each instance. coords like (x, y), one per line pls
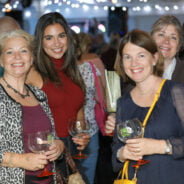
(157, 95)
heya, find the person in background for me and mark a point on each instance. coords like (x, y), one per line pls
(7, 23)
(167, 32)
(87, 74)
(99, 43)
(86, 45)
(56, 72)
(104, 171)
(108, 56)
(181, 51)
(163, 141)
(24, 109)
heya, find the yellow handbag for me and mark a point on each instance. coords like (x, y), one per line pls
(124, 172)
(124, 176)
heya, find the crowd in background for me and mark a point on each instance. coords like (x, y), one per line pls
(48, 78)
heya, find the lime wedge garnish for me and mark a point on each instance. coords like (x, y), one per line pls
(124, 132)
(49, 138)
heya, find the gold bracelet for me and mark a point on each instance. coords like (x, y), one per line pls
(10, 164)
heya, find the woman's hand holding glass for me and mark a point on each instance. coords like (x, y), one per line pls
(82, 142)
(28, 161)
(37, 161)
(136, 148)
(79, 130)
(131, 133)
(55, 150)
(129, 130)
(110, 124)
(41, 142)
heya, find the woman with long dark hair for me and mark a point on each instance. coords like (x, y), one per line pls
(56, 73)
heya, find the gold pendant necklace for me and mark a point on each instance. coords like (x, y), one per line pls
(15, 91)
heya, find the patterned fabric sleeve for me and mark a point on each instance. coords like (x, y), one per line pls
(88, 77)
(178, 101)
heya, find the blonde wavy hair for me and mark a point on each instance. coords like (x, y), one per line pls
(16, 33)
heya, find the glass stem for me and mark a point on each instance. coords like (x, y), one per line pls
(135, 173)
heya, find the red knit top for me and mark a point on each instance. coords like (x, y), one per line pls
(64, 101)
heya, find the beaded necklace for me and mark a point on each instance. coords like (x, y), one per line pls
(15, 91)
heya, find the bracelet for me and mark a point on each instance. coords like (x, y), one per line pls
(10, 164)
(168, 148)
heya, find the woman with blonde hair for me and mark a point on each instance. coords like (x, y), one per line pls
(24, 110)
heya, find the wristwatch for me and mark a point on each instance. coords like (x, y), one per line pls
(168, 148)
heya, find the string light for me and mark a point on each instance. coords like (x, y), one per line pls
(133, 6)
(175, 7)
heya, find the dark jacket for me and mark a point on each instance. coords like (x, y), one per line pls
(178, 74)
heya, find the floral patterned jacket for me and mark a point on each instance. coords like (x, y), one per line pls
(11, 139)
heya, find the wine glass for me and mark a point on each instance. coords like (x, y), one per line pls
(130, 129)
(112, 93)
(39, 142)
(78, 128)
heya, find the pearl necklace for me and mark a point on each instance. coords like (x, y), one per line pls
(15, 91)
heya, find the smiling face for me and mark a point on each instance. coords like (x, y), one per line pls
(16, 57)
(55, 41)
(138, 62)
(167, 40)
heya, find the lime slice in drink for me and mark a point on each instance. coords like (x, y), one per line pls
(125, 132)
(49, 138)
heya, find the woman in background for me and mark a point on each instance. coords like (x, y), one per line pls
(24, 110)
(86, 45)
(87, 74)
(167, 32)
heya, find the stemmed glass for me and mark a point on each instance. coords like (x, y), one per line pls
(130, 129)
(113, 90)
(78, 128)
(112, 93)
(39, 142)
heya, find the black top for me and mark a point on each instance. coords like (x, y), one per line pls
(164, 123)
